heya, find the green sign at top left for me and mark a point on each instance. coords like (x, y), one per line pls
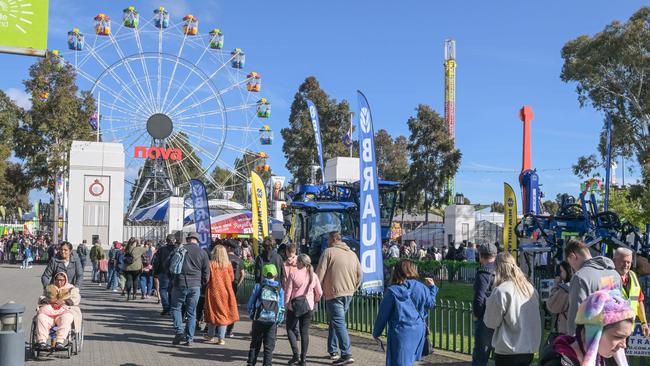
(23, 26)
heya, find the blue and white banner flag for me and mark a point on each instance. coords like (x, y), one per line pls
(313, 113)
(371, 256)
(201, 212)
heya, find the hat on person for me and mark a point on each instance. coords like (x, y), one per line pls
(269, 268)
(118, 245)
(600, 309)
(487, 250)
(170, 237)
(194, 235)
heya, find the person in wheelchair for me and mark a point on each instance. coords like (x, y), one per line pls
(59, 306)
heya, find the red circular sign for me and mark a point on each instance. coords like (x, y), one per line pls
(96, 189)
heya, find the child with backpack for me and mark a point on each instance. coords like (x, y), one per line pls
(266, 309)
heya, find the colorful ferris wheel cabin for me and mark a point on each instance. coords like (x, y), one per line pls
(130, 17)
(102, 25)
(76, 40)
(190, 25)
(254, 82)
(216, 39)
(161, 18)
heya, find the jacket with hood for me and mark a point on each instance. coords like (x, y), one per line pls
(72, 298)
(561, 353)
(290, 266)
(96, 252)
(558, 303)
(404, 309)
(269, 257)
(339, 271)
(515, 319)
(74, 271)
(595, 273)
(196, 268)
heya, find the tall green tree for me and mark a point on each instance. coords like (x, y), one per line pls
(611, 70)
(299, 146)
(392, 156)
(59, 114)
(10, 117)
(14, 188)
(434, 160)
(497, 207)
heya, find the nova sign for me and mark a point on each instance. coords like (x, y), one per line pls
(154, 152)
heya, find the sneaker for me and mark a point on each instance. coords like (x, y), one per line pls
(188, 343)
(334, 356)
(345, 360)
(41, 346)
(220, 342)
(59, 346)
(294, 360)
(229, 335)
(177, 340)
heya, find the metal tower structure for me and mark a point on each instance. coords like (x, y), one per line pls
(450, 103)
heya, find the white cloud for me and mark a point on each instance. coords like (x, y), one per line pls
(19, 97)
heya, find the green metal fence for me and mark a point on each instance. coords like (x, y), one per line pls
(450, 322)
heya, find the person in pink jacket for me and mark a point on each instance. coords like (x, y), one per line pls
(59, 306)
(303, 291)
(291, 263)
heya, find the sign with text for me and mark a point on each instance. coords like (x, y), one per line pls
(23, 27)
(154, 152)
(637, 344)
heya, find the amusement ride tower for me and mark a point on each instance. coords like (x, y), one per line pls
(450, 103)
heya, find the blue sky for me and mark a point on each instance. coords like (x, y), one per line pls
(508, 55)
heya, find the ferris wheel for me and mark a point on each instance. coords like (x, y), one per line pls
(173, 95)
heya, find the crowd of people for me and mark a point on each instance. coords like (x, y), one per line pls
(595, 299)
(466, 251)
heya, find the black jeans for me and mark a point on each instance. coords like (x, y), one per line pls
(302, 325)
(262, 333)
(522, 359)
(132, 280)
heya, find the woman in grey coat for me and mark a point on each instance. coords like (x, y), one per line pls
(66, 262)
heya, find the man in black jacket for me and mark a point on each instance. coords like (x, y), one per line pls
(482, 289)
(269, 255)
(187, 288)
(161, 272)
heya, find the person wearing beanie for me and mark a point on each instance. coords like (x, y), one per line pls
(604, 322)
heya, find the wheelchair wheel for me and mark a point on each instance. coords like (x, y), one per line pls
(74, 343)
(33, 344)
(80, 339)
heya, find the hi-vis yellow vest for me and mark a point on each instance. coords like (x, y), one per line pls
(633, 295)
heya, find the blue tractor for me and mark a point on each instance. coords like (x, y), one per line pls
(317, 210)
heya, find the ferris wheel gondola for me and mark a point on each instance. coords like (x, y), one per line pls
(165, 85)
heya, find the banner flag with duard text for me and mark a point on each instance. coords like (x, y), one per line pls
(372, 264)
(201, 213)
(509, 219)
(260, 212)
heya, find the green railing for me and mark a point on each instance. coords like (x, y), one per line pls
(450, 322)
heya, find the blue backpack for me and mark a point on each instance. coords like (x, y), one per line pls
(176, 260)
(267, 306)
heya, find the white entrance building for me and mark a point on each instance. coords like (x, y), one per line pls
(96, 192)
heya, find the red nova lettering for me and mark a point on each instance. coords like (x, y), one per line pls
(154, 152)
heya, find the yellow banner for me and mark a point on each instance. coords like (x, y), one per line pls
(509, 219)
(260, 212)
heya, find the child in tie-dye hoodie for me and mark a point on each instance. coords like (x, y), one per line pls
(604, 322)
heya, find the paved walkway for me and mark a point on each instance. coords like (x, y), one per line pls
(133, 334)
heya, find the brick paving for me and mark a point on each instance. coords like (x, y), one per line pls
(134, 334)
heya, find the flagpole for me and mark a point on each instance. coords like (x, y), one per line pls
(99, 99)
(350, 132)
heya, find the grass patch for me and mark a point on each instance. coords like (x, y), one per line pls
(455, 291)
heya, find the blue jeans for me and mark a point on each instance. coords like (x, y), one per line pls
(146, 283)
(338, 332)
(185, 298)
(163, 286)
(482, 343)
(112, 278)
(219, 329)
(95, 271)
(27, 262)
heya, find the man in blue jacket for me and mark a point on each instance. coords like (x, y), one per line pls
(482, 289)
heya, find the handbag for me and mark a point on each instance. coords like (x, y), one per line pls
(299, 304)
(427, 349)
